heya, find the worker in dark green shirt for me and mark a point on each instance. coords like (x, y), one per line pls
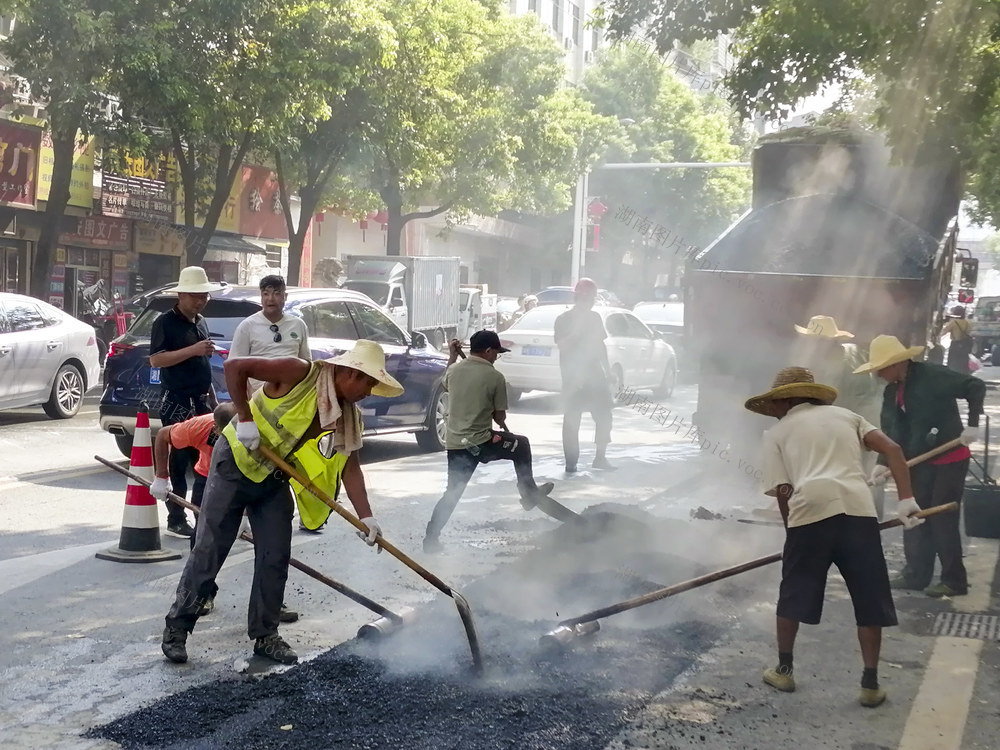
(919, 411)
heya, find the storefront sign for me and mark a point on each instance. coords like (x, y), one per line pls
(81, 186)
(99, 231)
(143, 189)
(261, 214)
(19, 150)
(157, 239)
(229, 220)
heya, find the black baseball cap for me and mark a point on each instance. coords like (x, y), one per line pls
(480, 341)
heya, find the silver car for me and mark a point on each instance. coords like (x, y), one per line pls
(46, 357)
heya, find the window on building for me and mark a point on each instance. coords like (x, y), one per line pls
(557, 17)
(577, 20)
(595, 38)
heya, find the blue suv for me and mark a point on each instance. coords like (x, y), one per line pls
(335, 318)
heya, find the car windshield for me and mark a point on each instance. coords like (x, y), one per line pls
(668, 313)
(377, 290)
(539, 319)
(222, 315)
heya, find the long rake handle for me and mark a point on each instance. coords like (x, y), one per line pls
(337, 586)
(718, 575)
(934, 452)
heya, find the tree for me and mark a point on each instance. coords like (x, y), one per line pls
(472, 117)
(669, 123)
(935, 66)
(63, 48)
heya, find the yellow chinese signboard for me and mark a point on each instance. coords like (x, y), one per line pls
(81, 186)
(229, 220)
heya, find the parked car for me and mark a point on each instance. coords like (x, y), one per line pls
(335, 318)
(639, 360)
(665, 319)
(563, 295)
(47, 357)
(506, 307)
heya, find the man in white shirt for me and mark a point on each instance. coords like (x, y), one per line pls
(270, 333)
(812, 463)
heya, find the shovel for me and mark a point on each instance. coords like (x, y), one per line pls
(388, 620)
(575, 627)
(464, 610)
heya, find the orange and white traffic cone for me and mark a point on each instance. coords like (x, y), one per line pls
(140, 539)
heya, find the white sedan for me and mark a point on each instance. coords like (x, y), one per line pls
(46, 357)
(639, 360)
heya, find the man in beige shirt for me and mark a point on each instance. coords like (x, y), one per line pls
(812, 464)
(477, 398)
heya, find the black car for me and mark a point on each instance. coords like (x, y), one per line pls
(335, 318)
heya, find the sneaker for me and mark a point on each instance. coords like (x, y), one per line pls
(207, 607)
(174, 644)
(180, 528)
(872, 697)
(432, 546)
(529, 498)
(604, 465)
(780, 679)
(274, 647)
(904, 583)
(943, 589)
(287, 615)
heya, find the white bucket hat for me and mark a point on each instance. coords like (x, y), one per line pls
(194, 280)
(825, 327)
(369, 357)
(886, 351)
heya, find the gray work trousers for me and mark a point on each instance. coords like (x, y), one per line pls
(269, 508)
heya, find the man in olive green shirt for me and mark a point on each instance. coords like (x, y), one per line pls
(478, 398)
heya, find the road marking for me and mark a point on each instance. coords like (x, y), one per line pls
(18, 571)
(939, 711)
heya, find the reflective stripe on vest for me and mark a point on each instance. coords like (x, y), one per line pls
(281, 421)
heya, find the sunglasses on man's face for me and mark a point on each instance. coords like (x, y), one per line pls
(277, 334)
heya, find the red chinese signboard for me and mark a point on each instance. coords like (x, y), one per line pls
(100, 231)
(261, 214)
(19, 147)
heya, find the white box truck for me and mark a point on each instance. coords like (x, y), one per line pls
(421, 293)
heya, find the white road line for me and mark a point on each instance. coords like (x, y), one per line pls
(939, 711)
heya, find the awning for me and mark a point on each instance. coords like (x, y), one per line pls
(232, 243)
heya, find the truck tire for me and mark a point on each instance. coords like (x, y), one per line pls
(67, 393)
(440, 339)
(432, 439)
(124, 443)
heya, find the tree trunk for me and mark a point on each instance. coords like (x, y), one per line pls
(393, 198)
(62, 174)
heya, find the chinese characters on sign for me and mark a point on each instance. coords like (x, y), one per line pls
(99, 231)
(19, 147)
(135, 198)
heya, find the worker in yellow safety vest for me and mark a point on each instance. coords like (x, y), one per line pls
(298, 402)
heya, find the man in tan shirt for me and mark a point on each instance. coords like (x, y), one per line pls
(478, 398)
(812, 464)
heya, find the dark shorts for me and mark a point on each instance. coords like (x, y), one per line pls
(854, 545)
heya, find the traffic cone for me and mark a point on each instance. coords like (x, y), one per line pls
(140, 539)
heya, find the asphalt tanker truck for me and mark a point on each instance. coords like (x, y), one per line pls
(836, 227)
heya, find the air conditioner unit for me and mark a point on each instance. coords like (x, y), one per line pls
(588, 56)
(568, 43)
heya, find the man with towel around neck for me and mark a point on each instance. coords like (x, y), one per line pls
(299, 401)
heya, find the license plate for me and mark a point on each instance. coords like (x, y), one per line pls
(536, 351)
(154, 375)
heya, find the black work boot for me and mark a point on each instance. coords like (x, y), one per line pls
(274, 647)
(174, 645)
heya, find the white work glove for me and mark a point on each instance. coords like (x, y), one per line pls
(248, 434)
(905, 510)
(374, 531)
(159, 488)
(971, 435)
(879, 476)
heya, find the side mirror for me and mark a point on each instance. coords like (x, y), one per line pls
(418, 340)
(969, 272)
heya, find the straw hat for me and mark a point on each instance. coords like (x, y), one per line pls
(194, 280)
(825, 327)
(791, 382)
(886, 351)
(369, 357)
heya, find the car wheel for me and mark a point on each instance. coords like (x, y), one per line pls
(67, 393)
(124, 443)
(666, 387)
(513, 395)
(433, 438)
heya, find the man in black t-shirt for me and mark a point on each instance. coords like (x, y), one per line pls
(586, 375)
(181, 347)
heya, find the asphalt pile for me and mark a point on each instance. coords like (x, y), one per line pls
(415, 689)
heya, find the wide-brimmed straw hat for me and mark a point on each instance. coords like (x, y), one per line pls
(791, 382)
(825, 327)
(369, 357)
(886, 351)
(194, 280)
